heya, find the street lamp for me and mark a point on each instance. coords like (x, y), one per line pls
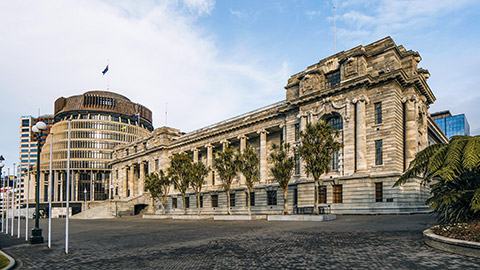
(85, 198)
(37, 237)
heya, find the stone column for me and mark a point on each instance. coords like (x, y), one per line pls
(62, 178)
(141, 182)
(361, 138)
(42, 187)
(55, 186)
(243, 146)
(75, 186)
(123, 187)
(209, 163)
(195, 155)
(131, 181)
(410, 129)
(263, 156)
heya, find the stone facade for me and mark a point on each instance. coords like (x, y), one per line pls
(374, 95)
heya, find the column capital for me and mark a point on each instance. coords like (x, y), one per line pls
(361, 98)
(209, 145)
(242, 137)
(263, 131)
(411, 98)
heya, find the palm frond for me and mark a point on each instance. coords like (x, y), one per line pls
(471, 154)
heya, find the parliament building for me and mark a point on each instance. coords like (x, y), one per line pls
(375, 96)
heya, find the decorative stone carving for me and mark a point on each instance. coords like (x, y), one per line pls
(311, 82)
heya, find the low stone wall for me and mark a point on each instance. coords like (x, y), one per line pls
(461, 247)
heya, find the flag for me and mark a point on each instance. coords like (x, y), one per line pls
(136, 115)
(124, 127)
(105, 70)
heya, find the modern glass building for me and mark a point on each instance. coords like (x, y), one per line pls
(452, 125)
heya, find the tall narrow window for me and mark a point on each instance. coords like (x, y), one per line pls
(378, 152)
(187, 202)
(272, 197)
(379, 192)
(252, 198)
(213, 178)
(215, 200)
(174, 203)
(334, 162)
(232, 199)
(201, 202)
(378, 113)
(322, 194)
(297, 132)
(335, 122)
(337, 194)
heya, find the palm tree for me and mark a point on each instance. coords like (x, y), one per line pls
(197, 174)
(249, 167)
(282, 170)
(317, 145)
(158, 184)
(226, 166)
(454, 167)
(180, 168)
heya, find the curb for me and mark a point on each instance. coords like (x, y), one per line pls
(461, 247)
(12, 261)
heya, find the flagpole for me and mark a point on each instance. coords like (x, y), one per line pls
(108, 75)
(68, 187)
(28, 197)
(50, 177)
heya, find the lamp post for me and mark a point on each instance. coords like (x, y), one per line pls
(37, 237)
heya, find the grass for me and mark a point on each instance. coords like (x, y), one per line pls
(3, 261)
(469, 231)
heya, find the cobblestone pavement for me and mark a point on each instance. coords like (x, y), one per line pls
(350, 242)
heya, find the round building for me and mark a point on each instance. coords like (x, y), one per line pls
(99, 121)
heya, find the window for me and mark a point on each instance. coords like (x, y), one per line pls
(252, 198)
(157, 164)
(174, 203)
(271, 197)
(378, 152)
(297, 132)
(201, 201)
(297, 164)
(379, 192)
(25, 123)
(334, 162)
(333, 78)
(215, 200)
(322, 194)
(336, 122)
(187, 202)
(232, 199)
(213, 178)
(378, 113)
(337, 193)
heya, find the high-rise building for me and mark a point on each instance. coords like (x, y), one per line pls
(28, 144)
(452, 125)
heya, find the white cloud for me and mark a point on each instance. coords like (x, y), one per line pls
(239, 14)
(157, 55)
(311, 13)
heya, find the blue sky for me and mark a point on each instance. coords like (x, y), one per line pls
(210, 60)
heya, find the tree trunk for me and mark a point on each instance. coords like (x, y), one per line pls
(198, 203)
(184, 206)
(153, 205)
(163, 201)
(228, 203)
(285, 200)
(249, 202)
(315, 205)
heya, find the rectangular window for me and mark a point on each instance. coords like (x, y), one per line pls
(25, 135)
(157, 164)
(24, 140)
(333, 79)
(187, 202)
(378, 113)
(174, 203)
(232, 199)
(25, 123)
(215, 200)
(297, 164)
(334, 162)
(337, 194)
(378, 152)
(379, 192)
(252, 198)
(322, 194)
(272, 197)
(297, 132)
(213, 178)
(201, 201)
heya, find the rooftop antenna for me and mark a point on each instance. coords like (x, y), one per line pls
(334, 33)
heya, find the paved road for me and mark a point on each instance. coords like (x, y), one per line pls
(350, 242)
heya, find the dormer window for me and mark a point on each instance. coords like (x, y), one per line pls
(333, 78)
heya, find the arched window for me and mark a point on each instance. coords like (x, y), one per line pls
(335, 121)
